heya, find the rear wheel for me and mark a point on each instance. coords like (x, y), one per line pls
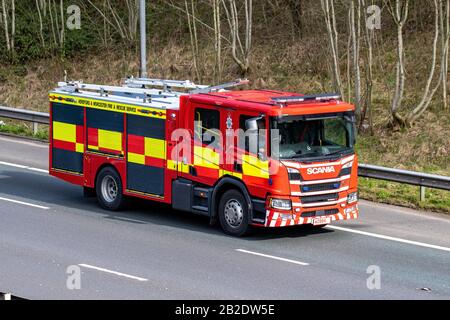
(233, 213)
(109, 189)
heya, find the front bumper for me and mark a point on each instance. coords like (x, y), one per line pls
(298, 216)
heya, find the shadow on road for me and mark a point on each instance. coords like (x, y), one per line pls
(45, 190)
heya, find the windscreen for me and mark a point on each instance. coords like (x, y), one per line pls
(314, 137)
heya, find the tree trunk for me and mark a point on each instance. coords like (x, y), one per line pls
(330, 22)
(5, 21)
(427, 95)
(356, 34)
(400, 15)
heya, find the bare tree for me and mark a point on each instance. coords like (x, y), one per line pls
(50, 10)
(428, 94)
(127, 30)
(13, 24)
(6, 26)
(445, 31)
(193, 36)
(217, 40)
(399, 12)
(367, 105)
(355, 28)
(63, 27)
(333, 38)
(240, 49)
(41, 24)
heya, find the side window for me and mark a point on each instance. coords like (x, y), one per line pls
(206, 126)
(244, 140)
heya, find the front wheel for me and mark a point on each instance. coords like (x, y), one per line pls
(109, 189)
(233, 213)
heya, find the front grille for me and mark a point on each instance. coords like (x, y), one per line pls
(319, 213)
(321, 187)
(320, 198)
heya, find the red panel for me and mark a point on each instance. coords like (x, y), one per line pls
(93, 137)
(207, 173)
(155, 162)
(136, 144)
(80, 134)
(70, 146)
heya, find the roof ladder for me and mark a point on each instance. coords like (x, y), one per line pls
(236, 83)
(166, 84)
(76, 86)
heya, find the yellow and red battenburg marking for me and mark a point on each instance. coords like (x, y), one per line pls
(146, 151)
(68, 136)
(104, 140)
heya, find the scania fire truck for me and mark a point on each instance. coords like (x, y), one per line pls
(292, 163)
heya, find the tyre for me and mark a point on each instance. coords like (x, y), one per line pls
(109, 189)
(233, 213)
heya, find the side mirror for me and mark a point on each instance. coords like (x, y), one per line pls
(253, 123)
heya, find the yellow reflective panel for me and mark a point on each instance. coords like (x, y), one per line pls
(136, 158)
(110, 140)
(64, 131)
(155, 148)
(252, 166)
(230, 173)
(172, 165)
(80, 147)
(206, 157)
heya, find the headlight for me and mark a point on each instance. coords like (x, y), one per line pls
(282, 204)
(294, 174)
(348, 165)
(352, 197)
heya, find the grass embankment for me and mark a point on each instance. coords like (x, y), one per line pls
(424, 148)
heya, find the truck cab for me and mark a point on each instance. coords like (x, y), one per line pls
(292, 156)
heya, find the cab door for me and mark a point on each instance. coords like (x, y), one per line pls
(207, 146)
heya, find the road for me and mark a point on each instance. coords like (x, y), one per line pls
(152, 252)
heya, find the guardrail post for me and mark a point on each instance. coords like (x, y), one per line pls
(422, 193)
(35, 128)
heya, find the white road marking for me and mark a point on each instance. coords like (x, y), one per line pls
(273, 257)
(24, 203)
(20, 166)
(37, 170)
(112, 272)
(127, 219)
(380, 236)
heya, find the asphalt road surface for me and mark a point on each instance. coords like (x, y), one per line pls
(49, 232)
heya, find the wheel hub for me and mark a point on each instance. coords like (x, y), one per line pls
(234, 213)
(109, 189)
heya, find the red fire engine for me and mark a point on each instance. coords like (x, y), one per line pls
(293, 161)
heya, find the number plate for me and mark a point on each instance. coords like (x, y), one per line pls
(321, 220)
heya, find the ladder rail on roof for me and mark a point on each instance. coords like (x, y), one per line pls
(147, 95)
(236, 83)
(166, 84)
